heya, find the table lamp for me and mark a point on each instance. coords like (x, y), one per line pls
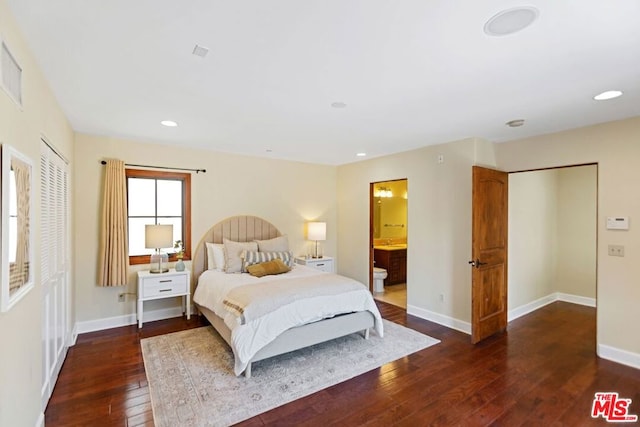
(317, 231)
(158, 236)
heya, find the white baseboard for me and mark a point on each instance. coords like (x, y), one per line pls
(530, 307)
(613, 354)
(577, 299)
(513, 314)
(126, 320)
(619, 356)
(541, 302)
(440, 319)
(74, 336)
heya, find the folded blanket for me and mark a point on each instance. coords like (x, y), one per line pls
(250, 302)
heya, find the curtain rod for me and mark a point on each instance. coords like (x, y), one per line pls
(103, 162)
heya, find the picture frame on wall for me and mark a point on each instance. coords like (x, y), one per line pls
(17, 255)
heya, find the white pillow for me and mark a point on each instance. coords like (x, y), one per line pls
(234, 254)
(277, 244)
(215, 256)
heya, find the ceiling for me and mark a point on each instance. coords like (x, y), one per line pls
(411, 72)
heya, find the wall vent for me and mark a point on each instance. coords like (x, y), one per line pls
(11, 75)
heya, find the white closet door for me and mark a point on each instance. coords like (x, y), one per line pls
(54, 269)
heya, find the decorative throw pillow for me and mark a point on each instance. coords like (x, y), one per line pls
(277, 244)
(255, 257)
(215, 256)
(268, 268)
(234, 254)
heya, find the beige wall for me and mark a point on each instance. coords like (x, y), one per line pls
(20, 328)
(576, 244)
(439, 218)
(552, 234)
(285, 193)
(615, 148)
(532, 236)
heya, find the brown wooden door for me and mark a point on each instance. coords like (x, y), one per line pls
(489, 247)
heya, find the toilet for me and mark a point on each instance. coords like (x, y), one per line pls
(379, 274)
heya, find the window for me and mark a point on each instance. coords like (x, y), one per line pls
(158, 198)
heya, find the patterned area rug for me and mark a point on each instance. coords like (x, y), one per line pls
(191, 378)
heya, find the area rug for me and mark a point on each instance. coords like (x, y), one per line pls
(191, 380)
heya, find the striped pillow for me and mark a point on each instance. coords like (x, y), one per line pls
(255, 257)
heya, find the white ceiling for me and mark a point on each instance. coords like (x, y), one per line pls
(412, 72)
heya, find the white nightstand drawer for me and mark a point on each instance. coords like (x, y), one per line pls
(164, 286)
(324, 263)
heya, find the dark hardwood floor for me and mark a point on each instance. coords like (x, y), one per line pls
(543, 371)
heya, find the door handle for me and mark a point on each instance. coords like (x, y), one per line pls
(476, 263)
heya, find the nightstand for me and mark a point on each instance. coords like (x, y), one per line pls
(163, 285)
(324, 263)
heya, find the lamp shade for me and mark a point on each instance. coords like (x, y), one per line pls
(317, 231)
(158, 236)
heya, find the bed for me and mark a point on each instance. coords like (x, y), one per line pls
(311, 314)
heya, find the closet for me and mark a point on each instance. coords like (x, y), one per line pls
(54, 265)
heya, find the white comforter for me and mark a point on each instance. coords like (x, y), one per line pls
(247, 339)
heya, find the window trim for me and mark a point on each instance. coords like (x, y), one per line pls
(186, 207)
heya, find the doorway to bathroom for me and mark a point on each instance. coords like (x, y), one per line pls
(388, 241)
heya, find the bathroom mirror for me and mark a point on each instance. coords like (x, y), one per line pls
(390, 210)
(16, 183)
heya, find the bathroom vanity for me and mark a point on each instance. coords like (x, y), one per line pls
(392, 258)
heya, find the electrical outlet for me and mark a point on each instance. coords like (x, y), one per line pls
(616, 250)
(440, 158)
(121, 297)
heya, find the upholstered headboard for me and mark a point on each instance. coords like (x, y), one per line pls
(237, 228)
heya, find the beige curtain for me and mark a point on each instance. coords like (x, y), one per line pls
(114, 254)
(20, 269)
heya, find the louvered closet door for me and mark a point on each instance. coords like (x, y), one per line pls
(54, 217)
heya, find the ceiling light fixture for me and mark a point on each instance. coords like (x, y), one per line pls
(338, 104)
(361, 154)
(515, 123)
(169, 123)
(511, 21)
(610, 94)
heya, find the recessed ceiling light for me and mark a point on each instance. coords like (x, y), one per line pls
(515, 123)
(610, 94)
(511, 21)
(338, 104)
(169, 123)
(361, 154)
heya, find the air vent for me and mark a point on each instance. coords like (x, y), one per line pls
(200, 51)
(11, 75)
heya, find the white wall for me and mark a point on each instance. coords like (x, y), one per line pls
(283, 192)
(20, 328)
(614, 147)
